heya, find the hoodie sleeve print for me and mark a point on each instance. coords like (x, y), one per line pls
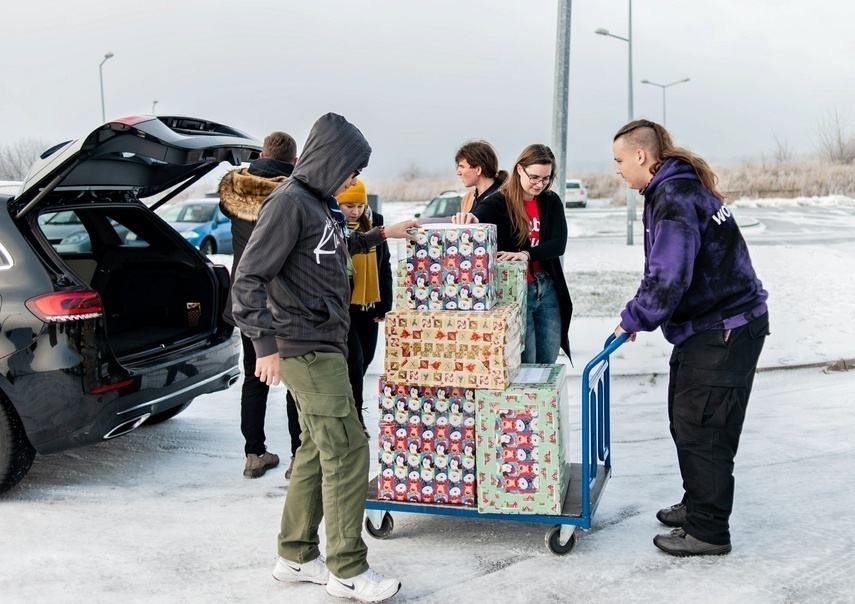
(669, 272)
(273, 238)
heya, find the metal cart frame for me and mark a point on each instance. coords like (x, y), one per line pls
(587, 479)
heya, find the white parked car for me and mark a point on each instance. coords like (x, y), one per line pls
(575, 194)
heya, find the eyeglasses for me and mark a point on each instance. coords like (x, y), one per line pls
(535, 180)
(356, 173)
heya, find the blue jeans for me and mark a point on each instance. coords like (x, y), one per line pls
(542, 322)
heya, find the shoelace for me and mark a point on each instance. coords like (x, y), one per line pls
(677, 532)
(373, 576)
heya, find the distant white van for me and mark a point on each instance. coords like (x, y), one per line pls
(575, 194)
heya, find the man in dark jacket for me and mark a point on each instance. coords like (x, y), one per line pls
(291, 298)
(700, 287)
(242, 192)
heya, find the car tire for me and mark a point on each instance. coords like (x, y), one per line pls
(16, 452)
(168, 414)
(208, 247)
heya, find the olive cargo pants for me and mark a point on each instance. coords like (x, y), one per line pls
(330, 476)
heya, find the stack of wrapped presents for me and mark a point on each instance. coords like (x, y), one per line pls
(461, 420)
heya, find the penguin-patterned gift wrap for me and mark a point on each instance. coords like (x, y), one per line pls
(452, 348)
(427, 444)
(451, 267)
(520, 443)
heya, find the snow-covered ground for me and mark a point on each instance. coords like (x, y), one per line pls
(165, 515)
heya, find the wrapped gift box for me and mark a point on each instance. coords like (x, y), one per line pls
(520, 443)
(512, 286)
(451, 348)
(402, 282)
(427, 444)
(451, 267)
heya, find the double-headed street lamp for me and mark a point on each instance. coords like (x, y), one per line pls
(630, 195)
(108, 55)
(663, 87)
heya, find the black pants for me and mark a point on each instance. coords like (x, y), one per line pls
(361, 344)
(253, 406)
(711, 381)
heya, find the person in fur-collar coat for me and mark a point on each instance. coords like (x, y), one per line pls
(242, 192)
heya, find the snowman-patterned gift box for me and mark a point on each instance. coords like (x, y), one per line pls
(520, 443)
(427, 444)
(451, 267)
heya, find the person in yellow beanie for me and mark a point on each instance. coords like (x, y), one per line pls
(371, 296)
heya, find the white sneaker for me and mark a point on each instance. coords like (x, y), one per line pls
(370, 586)
(311, 572)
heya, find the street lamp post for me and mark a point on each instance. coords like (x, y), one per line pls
(153, 105)
(630, 195)
(663, 87)
(108, 55)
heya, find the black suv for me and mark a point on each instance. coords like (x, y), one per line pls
(99, 338)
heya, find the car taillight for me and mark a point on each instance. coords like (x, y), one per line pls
(133, 120)
(60, 307)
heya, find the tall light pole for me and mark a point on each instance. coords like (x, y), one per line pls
(108, 55)
(561, 95)
(663, 87)
(153, 105)
(630, 195)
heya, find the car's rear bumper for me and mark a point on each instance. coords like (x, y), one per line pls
(78, 419)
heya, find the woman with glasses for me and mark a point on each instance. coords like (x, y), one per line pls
(530, 226)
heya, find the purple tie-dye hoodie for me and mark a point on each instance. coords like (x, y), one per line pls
(697, 271)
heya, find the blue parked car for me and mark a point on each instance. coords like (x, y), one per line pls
(201, 223)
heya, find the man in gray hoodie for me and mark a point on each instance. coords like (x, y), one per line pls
(291, 297)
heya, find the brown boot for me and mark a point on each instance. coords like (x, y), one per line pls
(290, 469)
(257, 465)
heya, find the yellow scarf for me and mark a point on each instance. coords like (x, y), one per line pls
(366, 279)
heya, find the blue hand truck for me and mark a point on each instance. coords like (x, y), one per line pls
(587, 479)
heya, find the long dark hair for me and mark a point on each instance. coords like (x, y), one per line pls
(653, 138)
(513, 191)
(480, 154)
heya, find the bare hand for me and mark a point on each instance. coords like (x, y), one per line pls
(267, 369)
(512, 256)
(464, 218)
(620, 331)
(399, 231)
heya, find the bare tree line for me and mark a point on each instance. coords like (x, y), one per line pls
(830, 172)
(16, 158)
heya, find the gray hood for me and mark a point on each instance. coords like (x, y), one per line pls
(334, 150)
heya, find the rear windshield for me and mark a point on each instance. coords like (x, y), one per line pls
(72, 231)
(442, 206)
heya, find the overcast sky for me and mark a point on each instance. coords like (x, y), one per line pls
(419, 78)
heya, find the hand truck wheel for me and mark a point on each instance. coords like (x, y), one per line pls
(385, 528)
(554, 541)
